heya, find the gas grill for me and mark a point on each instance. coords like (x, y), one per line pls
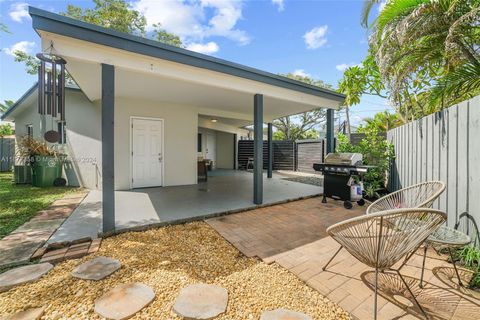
(338, 171)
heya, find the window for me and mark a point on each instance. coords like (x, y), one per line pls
(199, 142)
(62, 133)
(29, 130)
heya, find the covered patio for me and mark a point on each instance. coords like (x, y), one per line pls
(226, 191)
(146, 91)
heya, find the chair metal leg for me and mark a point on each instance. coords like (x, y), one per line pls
(411, 293)
(423, 265)
(325, 267)
(455, 267)
(376, 295)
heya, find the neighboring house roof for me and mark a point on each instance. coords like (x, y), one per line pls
(25, 96)
(58, 24)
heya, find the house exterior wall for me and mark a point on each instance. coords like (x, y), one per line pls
(180, 140)
(84, 146)
(83, 141)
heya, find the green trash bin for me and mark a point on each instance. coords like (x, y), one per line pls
(45, 169)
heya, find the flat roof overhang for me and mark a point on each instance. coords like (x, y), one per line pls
(146, 69)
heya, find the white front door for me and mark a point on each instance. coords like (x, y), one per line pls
(147, 153)
(210, 152)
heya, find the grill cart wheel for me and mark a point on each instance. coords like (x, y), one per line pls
(361, 202)
(347, 204)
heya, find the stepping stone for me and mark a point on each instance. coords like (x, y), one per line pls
(96, 269)
(201, 301)
(284, 314)
(23, 275)
(123, 301)
(29, 314)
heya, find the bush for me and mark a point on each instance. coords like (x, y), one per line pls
(6, 130)
(376, 152)
(469, 256)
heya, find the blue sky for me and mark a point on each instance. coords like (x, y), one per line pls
(318, 37)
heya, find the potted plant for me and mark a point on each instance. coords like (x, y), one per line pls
(45, 161)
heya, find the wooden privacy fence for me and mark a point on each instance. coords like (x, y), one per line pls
(309, 152)
(7, 153)
(442, 146)
(283, 154)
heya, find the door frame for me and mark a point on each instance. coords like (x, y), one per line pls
(162, 146)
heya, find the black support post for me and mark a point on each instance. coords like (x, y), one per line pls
(330, 134)
(108, 158)
(258, 149)
(270, 150)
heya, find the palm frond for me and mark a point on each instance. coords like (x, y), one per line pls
(464, 81)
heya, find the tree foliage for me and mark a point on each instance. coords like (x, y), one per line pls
(304, 125)
(5, 105)
(423, 53)
(4, 28)
(161, 35)
(113, 14)
(6, 130)
(381, 122)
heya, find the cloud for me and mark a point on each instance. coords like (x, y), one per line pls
(25, 46)
(382, 5)
(196, 20)
(344, 66)
(19, 12)
(341, 67)
(316, 37)
(280, 4)
(206, 48)
(301, 73)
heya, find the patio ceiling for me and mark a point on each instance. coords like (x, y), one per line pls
(148, 70)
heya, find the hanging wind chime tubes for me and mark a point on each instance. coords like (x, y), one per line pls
(51, 90)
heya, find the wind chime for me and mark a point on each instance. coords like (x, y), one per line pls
(51, 92)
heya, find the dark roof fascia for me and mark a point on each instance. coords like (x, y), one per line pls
(25, 96)
(58, 24)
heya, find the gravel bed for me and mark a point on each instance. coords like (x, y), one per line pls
(316, 181)
(168, 259)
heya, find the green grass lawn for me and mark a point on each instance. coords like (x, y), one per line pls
(19, 203)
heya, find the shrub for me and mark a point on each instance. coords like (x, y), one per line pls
(6, 130)
(376, 152)
(469, 256)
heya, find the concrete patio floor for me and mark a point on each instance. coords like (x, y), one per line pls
(226, 191)
(294, 236)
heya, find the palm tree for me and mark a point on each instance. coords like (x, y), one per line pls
(432, 42)
(367, 8)
(5, 105)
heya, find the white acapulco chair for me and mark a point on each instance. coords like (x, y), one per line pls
(421, 195)
(379, 240)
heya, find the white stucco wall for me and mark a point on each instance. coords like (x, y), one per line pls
(83, 136)
(180, 140)
(225, 150)
(84, 145)
(83, 118)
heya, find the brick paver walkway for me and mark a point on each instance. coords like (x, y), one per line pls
(21, 244)
(293, 235)
(269, 231)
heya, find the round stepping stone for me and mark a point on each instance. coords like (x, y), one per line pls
(284, 314)
(23, 275)
(201, 301)
(123, 301)
(96, 269)
(29, 314)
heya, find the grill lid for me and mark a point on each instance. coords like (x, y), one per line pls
(349, 159)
